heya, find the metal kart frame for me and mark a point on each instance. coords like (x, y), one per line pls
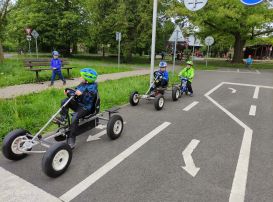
(37, 139)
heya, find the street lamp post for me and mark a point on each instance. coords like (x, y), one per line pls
(153, 41)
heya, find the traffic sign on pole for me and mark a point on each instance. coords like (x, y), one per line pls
(195, 5)
(209, 40)
(251, 2)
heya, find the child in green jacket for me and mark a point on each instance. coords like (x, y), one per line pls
(188, 72)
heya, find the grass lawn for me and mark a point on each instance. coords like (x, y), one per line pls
(12, 71)
(32, 111)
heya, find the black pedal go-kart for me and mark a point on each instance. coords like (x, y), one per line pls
(58, 154)
(157, 95)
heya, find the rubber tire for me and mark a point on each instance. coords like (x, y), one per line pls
(156, 102)
(174, 93)
(131, 99)
(48, 158)
(110, 127)
(8, 140)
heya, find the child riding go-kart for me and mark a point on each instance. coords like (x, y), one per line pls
(157, 89)
(57, 157)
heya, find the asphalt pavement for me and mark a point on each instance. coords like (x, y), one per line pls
(215, 146)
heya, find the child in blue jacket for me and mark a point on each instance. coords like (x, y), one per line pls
(56, 66)
(161, 76)
(82, 104)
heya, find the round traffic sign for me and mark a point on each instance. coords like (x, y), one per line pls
(209, 40)
(251, 2)
(195, 5)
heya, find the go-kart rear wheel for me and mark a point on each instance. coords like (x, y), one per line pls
(159, 102)
(13, 143)
(57, 159)
(134, 98)
(175, 93)
(115, 127)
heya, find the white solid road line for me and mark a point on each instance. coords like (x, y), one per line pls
(189, 163)
(91, 179)
(227, 71)
(256, 92)
(237, 193)
(190, 106)
(14, 188)
(252, 111)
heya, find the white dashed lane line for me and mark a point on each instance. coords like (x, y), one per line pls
(252, 111)
(189, 107)
(256, 92)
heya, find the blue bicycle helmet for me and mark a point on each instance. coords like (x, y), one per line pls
(88, 74)
(163, 64)
(55, 53)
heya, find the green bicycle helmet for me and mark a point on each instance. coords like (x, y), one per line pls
(88, 74)
(189, 63)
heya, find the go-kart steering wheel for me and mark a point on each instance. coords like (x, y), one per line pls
(70, 92)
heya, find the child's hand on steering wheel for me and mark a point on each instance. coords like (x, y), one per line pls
(78, 93)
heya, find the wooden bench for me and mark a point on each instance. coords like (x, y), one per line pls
(38, 65)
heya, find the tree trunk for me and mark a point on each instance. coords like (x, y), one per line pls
(1, 52)
(238, 48)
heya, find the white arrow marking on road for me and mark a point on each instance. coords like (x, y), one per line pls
(97, 136)
(101, 126)
(190, 166)
(233, 90)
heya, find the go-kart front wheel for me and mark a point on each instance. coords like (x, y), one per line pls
(13, 144)
(159, 102)
(175, 93)
(115, 127)
(57, 159)
(134, 98)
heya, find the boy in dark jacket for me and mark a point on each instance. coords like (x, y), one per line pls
(82, 104)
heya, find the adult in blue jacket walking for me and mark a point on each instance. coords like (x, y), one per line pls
(56, 66)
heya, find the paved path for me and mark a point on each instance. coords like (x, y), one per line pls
(24, 89)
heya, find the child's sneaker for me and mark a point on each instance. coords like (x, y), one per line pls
(190, 94)
(60, 120)
(64, 83)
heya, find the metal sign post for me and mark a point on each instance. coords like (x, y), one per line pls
(176, 37)
(29, 39)
(35, 35)
(118, 38)
(208, 41)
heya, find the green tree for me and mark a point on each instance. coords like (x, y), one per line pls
(231, 17)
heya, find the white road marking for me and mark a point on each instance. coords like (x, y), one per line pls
(190, 166)
(240, 178)
(258, 72)
(101, 126)
(227, 71)
(98, 135)
(190, 106)
(256, 92)
(233, 90)
(14, 188)
(252, 111)
(238, 70)
(91, 179)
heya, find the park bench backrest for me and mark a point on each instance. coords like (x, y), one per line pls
(42, 62)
